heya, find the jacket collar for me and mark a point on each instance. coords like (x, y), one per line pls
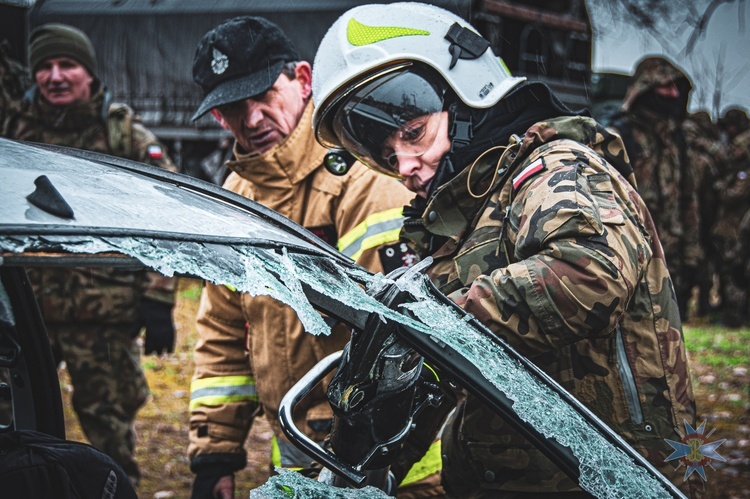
(451, 211)
(293, 159)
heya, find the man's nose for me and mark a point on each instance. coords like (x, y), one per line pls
(55, 73)
(253, 114)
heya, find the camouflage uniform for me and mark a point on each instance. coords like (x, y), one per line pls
(732, 231)
(561, 260)
(14, 78)
(657, 150)
(705, 156)
(89, 313)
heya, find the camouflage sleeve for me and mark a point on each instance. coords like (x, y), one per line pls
(160, 288)
(693, 251)
(576, 256)
(148, 149)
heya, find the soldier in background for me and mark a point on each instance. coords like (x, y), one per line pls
(650, 126)
(14, 80)
(732, 229)
(705, 157)
(93, 314)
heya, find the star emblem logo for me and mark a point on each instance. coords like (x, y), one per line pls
(695, 450)
(219, 63)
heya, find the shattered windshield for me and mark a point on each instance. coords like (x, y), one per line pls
(605, 470)
(181, 227)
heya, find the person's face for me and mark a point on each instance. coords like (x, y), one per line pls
(261, 122)
(416, 149)
(63, 81)
(670, 91)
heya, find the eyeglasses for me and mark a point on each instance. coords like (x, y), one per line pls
(397, 115)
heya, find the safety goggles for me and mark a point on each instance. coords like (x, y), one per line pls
(394, 116)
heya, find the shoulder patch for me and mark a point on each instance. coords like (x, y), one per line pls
(394, 256)
(528, 172)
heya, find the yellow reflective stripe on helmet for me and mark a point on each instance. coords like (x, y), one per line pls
(359, 34)
(222, 390)
(231, 288)
(431, 462)
(379, 228)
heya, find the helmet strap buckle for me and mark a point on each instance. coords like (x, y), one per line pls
(462, 129)
(465, 44)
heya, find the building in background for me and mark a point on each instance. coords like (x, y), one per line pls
(149, 46)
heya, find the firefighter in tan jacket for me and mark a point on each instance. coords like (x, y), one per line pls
(251, 350)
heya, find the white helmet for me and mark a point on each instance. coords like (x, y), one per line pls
(369, 41)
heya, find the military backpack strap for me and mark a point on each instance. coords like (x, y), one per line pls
(120, 130)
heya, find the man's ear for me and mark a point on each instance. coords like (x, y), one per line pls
(303, 74)
(219, 118)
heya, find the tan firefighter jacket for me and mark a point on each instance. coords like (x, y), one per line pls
(251, 350)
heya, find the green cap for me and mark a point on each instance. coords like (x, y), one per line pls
(61, 40)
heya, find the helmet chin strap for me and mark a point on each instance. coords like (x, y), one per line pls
(460, 133)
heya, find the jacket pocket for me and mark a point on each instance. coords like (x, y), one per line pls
(603, 193)
(628, 380)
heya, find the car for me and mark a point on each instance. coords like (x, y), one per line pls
(64, 206)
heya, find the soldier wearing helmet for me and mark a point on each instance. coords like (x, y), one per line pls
(534, 225)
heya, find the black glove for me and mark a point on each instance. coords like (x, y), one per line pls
(156, 317)
(209, 469)
(203, 485)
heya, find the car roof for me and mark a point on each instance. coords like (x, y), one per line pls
(54, 192)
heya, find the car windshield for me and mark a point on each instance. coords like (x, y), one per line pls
(201, 231)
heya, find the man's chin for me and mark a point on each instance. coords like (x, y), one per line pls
(61, 99)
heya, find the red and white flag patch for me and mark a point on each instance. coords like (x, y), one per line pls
(527, 172)
(154, 151)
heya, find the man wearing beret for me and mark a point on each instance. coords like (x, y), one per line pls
(93, 315)
(251, 350)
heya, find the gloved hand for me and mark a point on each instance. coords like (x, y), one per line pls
(156, 317)
(215, 473)
(205, 482)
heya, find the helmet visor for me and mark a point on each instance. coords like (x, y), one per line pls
(396, 115)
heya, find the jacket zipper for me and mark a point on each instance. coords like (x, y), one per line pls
(628, 380)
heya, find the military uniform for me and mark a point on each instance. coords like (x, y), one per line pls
(561, 259)
(732, 231)
(90, 312)
(705, 156)
(252, 350)
(14, 79)
(657, 149)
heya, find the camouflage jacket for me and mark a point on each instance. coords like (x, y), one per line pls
(14, 78)
(734, 185)
(562, 261)
(705, 156)
(113, 129)
(657, 150)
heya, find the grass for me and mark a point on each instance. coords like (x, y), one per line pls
(719, 363)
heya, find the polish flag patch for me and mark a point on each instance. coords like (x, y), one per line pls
(527, 172)
(154, 151)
